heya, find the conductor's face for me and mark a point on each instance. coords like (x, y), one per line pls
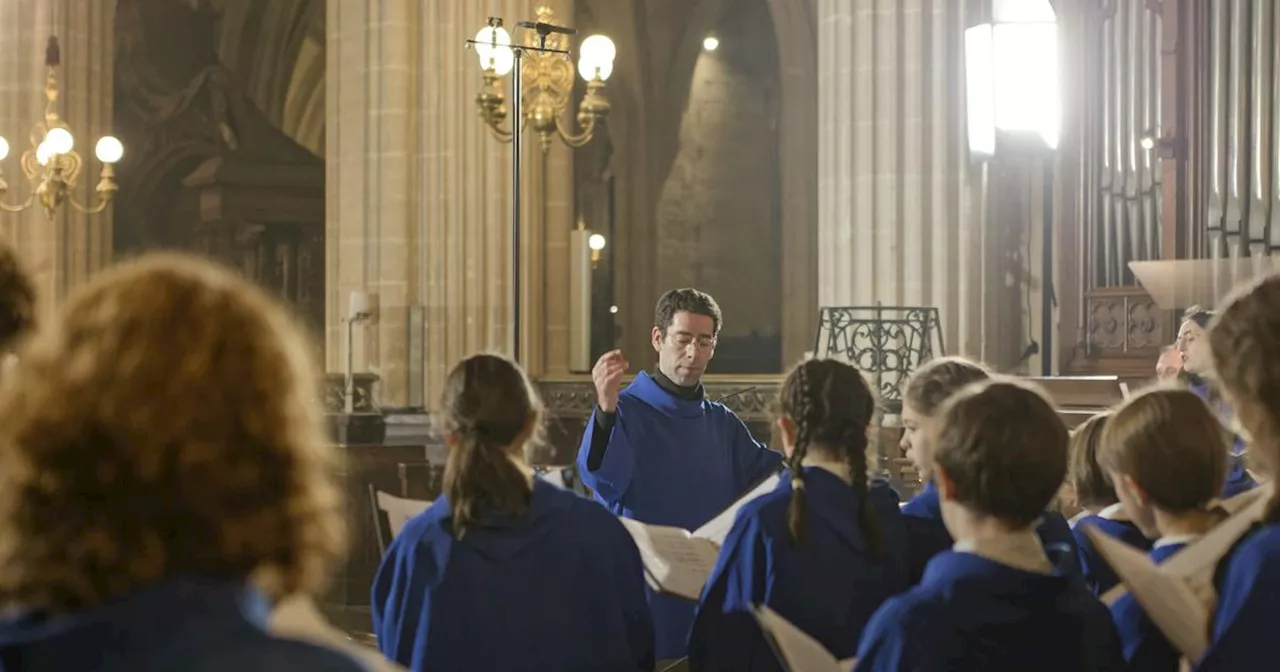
(683, 352)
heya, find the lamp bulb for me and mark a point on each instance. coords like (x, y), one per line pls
(596, 242)
(4, 149)
(109, 149)
(59, 140)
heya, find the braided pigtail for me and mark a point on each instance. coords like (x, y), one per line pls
(855, 458)
(798, 404)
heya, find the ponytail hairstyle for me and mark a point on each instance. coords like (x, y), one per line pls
(488, 405)
(832, 407)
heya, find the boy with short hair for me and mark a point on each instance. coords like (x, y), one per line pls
(1165, 453)
(995, 601)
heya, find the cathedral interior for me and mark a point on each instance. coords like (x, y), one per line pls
(809, 163)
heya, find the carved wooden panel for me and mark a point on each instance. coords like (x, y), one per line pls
(1124, 332)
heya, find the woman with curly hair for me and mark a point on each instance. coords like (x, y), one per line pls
(164, 477)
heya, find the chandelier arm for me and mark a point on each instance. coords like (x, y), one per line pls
(19, 208)
(582, 138)
(500, 134)
(92, 210)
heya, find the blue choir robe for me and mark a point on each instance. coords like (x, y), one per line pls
(829, 587)
(929, 536)
(972, 613)
(1098, 575)
(560, 587)
(677, 462)
(187, 623)
(1244, 621)
(1146, 649)
(1238, 478)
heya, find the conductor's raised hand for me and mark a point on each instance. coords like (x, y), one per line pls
(607, 375)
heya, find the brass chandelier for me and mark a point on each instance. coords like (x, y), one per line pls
(51, 165)
(545, 79)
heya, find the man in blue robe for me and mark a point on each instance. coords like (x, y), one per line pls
(659, 452)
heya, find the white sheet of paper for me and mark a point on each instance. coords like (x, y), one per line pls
(678, 562)
(399, 510)
(1180, 610)
(794, 647)
(718, 528)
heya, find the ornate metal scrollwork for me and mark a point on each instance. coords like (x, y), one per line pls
(886, 343)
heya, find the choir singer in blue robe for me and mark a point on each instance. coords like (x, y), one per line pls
(996, 601)
(659, 451)
(824, 549)
(507, 571)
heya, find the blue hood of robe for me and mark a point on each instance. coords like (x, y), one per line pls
(500, 537)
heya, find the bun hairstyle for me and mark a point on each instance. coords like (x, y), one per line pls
(1243, 343)
(489, 405)
(832, 407)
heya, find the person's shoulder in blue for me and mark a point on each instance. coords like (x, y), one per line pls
(824, 549)
(1164, 451)
(923, 396)
(505, 558)
(659, 451)
(997, 600)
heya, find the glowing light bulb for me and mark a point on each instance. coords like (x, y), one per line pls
(109, 149)
(596, 242)
(59, 140)
(711, 43)
(4, 149)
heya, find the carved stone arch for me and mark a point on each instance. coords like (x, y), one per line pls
(276, 50)
(795, 28)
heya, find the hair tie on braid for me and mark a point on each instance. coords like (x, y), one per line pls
(797, 483)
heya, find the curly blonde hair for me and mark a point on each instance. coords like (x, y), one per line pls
(166, 425)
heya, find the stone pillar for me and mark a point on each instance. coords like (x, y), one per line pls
(418, 192)
(902, 212)
(64, 251)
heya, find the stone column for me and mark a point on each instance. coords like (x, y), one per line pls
(902, 212)
(64, 251)
(418, 196)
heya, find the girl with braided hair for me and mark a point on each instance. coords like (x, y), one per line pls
(506, 571)
(824, 549)
(1243, 347)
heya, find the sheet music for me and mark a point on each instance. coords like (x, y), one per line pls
(678, 563)
(1178, 608)
(1198, 560)
(399, 510)
(718, 528)
(797, 651)
(1124, 390)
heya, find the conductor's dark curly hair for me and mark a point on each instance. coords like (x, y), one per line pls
(165, 425)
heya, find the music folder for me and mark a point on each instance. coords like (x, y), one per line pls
(679, 562)
(795, 649)
(1179, 594)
